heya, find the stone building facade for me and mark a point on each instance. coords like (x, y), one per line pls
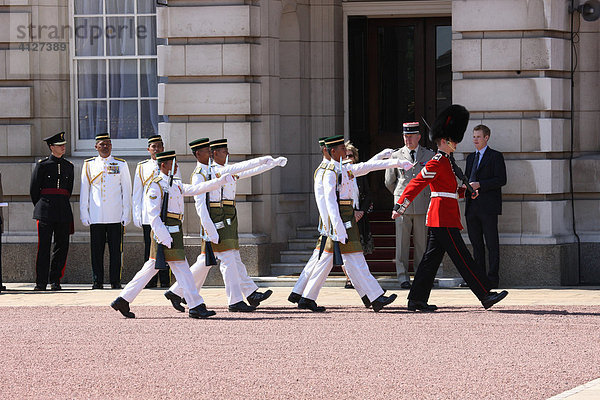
(272, 76)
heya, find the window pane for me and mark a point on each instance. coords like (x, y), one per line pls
(124, 119)
(92, 118)
(91, 79)
(146, 35)
(146, 7)
(396, 77)
(88, 6)
(89, 40)
(148, 78)
(443, 67)
(123, 78)
(120, 6)
(150, 118)
(120, 36)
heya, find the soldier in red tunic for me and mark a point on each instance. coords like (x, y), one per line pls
(443, 217)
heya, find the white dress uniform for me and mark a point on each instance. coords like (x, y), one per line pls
(105, 206)
(308, 270)
(355, 263)
(180, 268)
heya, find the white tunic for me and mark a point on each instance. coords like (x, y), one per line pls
(105, 195)
(158, 187)
(320, 197)
(144, 173)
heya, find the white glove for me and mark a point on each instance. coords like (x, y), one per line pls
(168, 242)
(281, 161)
(85, 221)
(227, 178)
(137, 222)
(343, 237)
(386, 153)
(405, 165)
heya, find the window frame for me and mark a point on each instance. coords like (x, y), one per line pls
(85, 147)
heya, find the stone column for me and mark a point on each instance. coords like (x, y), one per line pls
(511, 70)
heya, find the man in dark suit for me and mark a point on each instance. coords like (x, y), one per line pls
(487, 173)
(50, 190)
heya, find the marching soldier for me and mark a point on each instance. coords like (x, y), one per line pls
(145, 171)
(50, 189)
(221, 226)
(443, 217)
(105, 206)
(169, 233)
(338, 186)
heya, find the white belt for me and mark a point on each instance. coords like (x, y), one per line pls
(444, 194)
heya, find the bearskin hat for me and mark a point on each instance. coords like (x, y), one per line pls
(450, 124)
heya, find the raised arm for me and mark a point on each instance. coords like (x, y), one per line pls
(203, 187)
(364, 168)
(244, 165)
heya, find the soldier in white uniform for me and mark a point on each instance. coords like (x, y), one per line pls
(145, 171)
(222, 233)
(396, 180)
(308, 270)
(338, 187)
(105, 206)
(169, 234)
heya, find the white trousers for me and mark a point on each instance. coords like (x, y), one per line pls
(357, 270)
(246, 283)
(181, 269)
(306, 272)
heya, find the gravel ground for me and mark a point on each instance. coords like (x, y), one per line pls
(283, 353)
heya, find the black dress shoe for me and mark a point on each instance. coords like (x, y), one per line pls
(492, 298)
(382, 301)
(115, 286)
(464, 284)
(122, 306)
(2, 287)
(417, 305)
(39, 288)
(348, 285)
(241, 307)
(405, 285)
(366, 301)
(200, 311)
(294, 297)
(55, 286)
(308, 304)
(175, 301)
(257, 297)
(97, 286)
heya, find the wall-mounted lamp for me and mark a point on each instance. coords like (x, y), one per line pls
(590, 10)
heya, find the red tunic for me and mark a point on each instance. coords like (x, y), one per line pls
(443, 209)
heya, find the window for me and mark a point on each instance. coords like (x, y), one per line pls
(115, 82)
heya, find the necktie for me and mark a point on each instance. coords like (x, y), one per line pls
(472, 177)
(412, 155)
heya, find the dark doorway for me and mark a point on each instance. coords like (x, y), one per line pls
(399, 71)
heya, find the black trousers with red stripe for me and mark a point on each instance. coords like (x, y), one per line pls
(447, 240)
(43, 263)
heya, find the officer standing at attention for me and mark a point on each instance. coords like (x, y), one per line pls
(105, 206)
(413, 219)
(145, 171)
(443, 217)
(169, 233)
(50, 189)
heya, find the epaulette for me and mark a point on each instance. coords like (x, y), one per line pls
(141, 162)
(437, 156)
(119, 159)
(330, 167)
(157, 179)
(44, 159)
(89, 159)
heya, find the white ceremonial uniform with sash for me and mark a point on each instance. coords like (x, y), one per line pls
(169, 234)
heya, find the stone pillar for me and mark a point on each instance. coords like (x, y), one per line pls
(511, 70)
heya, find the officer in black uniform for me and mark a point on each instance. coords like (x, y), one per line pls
(50, 190)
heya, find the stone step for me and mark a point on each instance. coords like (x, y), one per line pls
(307, 232)
(386, 281)
(302, 244)
(295, 256)
(281, 269)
